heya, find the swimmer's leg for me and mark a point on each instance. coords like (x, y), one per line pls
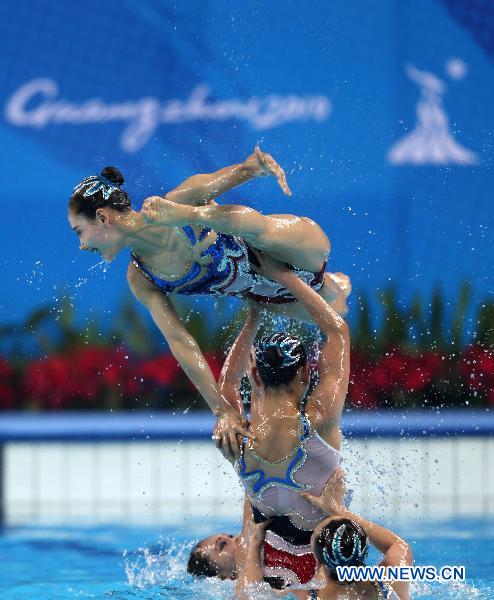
(298, 241)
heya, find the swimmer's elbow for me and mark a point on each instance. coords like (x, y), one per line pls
(400, 553)
(183, 347)
(407, 554)
(342, 331)
(343, 328)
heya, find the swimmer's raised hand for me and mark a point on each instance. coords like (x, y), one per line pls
(228, 432)
(255, 533)
(268, 166)
(330, 502)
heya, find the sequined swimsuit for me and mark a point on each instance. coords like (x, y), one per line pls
(228, 261)
(273, 489)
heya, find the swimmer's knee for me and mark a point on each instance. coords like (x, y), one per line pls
(315, 233)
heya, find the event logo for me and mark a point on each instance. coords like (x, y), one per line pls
(37, 104)
(431, 142)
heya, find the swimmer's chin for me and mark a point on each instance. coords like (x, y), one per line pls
(107, 257)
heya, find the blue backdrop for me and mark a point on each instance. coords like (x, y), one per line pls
(381, 113)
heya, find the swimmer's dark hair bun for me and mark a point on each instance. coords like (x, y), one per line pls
(274, 357)
(113, 174)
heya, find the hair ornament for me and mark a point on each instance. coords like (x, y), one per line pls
(358, 554)
(288, 346)
(94, 183)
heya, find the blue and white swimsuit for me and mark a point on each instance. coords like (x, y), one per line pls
(228, 272)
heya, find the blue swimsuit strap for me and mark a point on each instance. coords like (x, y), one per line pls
(159, 281)
(304, 426)
(189, 232)
(194, 269)
(191, 236)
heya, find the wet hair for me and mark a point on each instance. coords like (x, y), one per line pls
(278, 358)
(98, 191)
(200, 565)
(342, 542)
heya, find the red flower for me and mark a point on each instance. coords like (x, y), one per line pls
(421, 371)
(106, 368)
(360, 393)
(162, 371)
(80, 375)
(477, 367)
(215, 363)
(7, 385)
(389, 372)
(48, 381)
(361, 396)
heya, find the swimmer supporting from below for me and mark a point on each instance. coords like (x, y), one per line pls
(342, 539)
(296, 449)
(186, 244)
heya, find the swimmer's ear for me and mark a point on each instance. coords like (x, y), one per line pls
(102, 216)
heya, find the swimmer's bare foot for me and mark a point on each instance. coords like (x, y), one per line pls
(159, 211)
(343, 282)
(340, 283)
(268, 166)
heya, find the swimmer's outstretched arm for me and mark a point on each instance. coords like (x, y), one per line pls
(237, 360)
(251, 571)
(328, 396)
(199, 189)
(185, 349)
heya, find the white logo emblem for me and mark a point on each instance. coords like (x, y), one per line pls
(37, 104)
(431, 142)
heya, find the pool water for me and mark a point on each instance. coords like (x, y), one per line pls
(114, 562)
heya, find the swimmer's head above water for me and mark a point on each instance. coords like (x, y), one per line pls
(215, 556)
(94, 208)
(280, 361)
(339, 542)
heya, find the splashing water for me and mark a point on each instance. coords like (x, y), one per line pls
(152, 566)
(102, 264)
(91, 562)
(36, 275)
(162, 568)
